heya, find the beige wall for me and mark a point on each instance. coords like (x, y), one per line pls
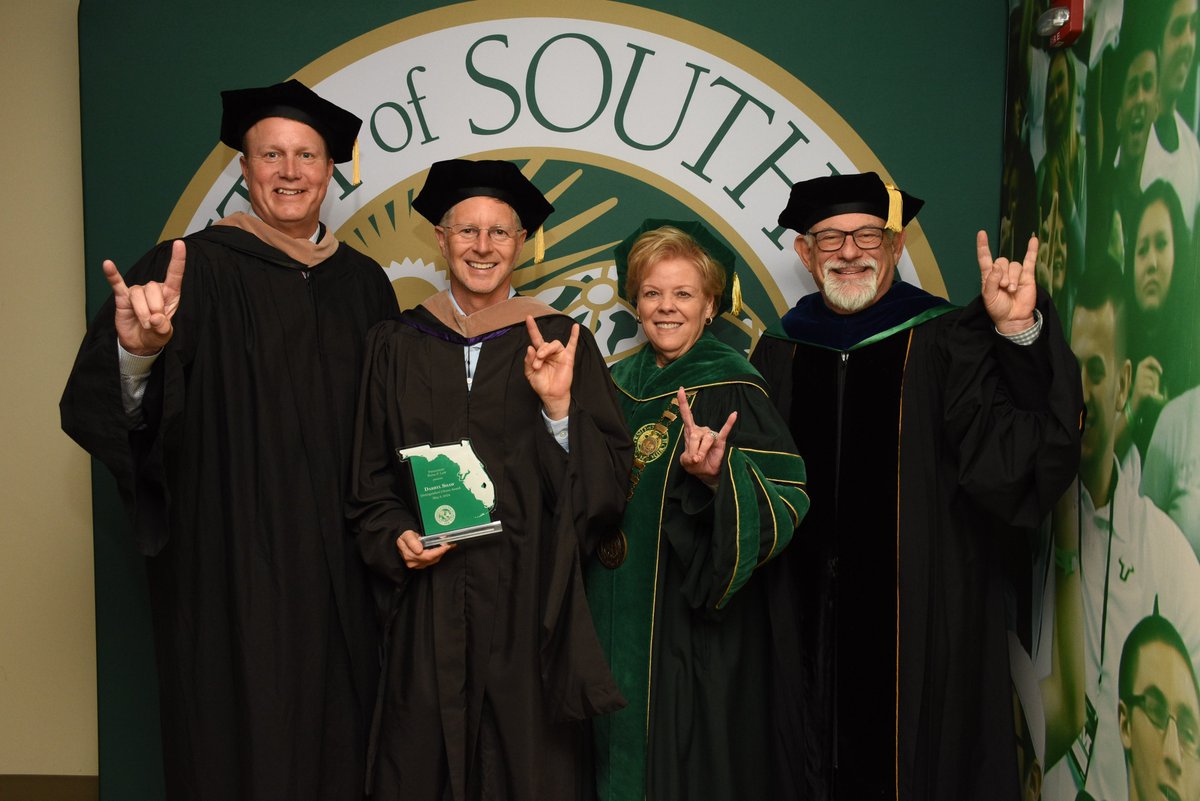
(47, 620)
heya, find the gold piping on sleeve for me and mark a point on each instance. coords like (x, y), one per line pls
(774, 479)
(760, 450)
(774, 520)
(737, 534)
(792, 509)
(690, 389)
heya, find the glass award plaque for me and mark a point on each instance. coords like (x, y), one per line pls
(454, 494)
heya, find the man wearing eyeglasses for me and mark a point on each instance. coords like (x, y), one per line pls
(938, 436)
(1132, 560)
(1159, 713)
(493, 666)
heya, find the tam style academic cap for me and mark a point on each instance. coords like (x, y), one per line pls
(731, 298)
(451, 182)
(863, 193)
(294, 101)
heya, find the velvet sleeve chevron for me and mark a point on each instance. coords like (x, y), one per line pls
(760, 502)
(756, 507)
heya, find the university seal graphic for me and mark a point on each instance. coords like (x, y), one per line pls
(616, 113)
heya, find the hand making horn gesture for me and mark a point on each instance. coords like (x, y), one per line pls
(550, 368)
(144, 311)
(1009, 289)
(703, 449)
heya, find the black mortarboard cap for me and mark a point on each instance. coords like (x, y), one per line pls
(294, 101)
(453, 181)
(862, 193)
(731, 298)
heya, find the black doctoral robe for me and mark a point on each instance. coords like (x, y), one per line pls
(932, 446)
(234, 477)
(493, 665)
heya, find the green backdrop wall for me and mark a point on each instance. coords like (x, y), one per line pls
(921, 84)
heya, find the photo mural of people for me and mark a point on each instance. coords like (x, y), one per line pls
(1102, 162)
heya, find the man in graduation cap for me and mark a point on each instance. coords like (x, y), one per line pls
(218, 384)
(934, 437)
(493, 666)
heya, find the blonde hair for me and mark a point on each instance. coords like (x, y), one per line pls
(669, 242)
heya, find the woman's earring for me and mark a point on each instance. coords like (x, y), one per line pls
(708, 320)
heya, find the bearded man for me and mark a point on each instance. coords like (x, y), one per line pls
(936, 437)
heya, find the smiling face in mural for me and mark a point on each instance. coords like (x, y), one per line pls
(287, 170)
(1178, 51)
(851, 278)
(1139, 105)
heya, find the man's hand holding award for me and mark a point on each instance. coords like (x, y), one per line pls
(454, 494)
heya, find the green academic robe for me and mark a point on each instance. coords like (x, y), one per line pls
(681, 616)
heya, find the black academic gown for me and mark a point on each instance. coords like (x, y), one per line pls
(234, 477)
(493, 666)
(931, 451)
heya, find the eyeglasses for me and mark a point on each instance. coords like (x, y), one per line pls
(1155, 707)
(831, 239)
(469, 233)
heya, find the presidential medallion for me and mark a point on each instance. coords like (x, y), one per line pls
(650, 442)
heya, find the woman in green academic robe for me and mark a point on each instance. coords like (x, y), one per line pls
(716, 491)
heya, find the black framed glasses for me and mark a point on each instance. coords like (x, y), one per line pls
(1155, 708)
(499, 234)
(830, 240)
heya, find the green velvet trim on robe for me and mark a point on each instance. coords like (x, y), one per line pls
(685, 539)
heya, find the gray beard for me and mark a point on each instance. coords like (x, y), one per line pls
(850, 295)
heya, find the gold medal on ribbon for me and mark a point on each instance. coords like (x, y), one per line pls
(650, 442)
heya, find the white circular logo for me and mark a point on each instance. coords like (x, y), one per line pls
(444, 515)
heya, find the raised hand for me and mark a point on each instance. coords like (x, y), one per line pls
(415, 555)
(144, 311)
(1147, 383)
(703, 449)
(1008, 287)
(550, 368)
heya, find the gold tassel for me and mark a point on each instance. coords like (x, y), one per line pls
(895, 209)
(736, 308)
(355, 179)
(539, 245)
